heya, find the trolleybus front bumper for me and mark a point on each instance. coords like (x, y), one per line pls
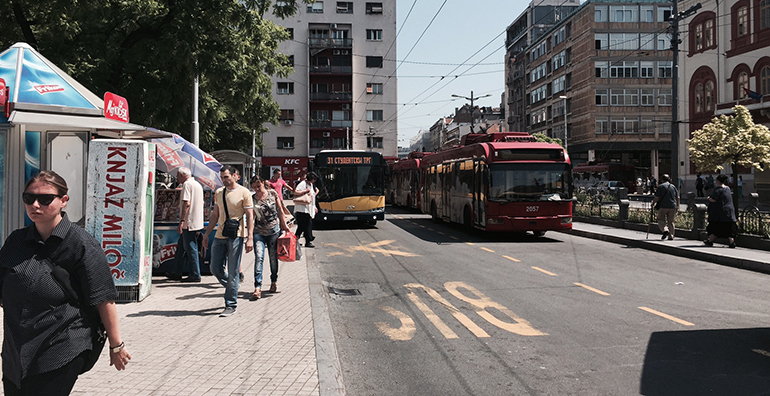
(540, 223)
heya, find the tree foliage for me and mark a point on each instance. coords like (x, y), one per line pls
(541, 137)
(733, 140)
(150, 51)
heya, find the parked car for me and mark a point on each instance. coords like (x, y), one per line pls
(606, 188)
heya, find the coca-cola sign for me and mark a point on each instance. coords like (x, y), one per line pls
(115, 107)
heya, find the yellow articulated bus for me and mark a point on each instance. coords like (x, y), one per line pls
(351, 186)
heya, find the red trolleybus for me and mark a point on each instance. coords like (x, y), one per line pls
(500, 182)
(405, 186)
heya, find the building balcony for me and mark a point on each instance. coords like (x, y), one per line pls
(331, 123)
(331, 69)
(332, 96)
(330, 42)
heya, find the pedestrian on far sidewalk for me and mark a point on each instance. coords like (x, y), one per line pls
(191, 223)
(653, 185)
(279, 184)
(699, 185)
(306, 212)
(231, 202)
(668, 196)
(268, 226)
(722, 220)
(55, 290)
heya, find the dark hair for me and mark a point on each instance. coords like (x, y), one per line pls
(276, 170)
(51, 178)
(256, 178)
(311, 176)
(230, 169)
(722, 178)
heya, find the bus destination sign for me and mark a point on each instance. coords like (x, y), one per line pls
(348, 160)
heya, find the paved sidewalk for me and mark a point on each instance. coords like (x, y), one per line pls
(180, 345)
(750, 259)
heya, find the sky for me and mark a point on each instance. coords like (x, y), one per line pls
(462, 34)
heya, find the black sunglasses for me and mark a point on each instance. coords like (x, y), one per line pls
(43, 199)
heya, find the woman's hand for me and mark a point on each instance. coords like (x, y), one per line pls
(120, 359)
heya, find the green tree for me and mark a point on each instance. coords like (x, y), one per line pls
(541, 137)
(733, 140)
(149, 51)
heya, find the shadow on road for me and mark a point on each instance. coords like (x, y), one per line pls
(707, 362)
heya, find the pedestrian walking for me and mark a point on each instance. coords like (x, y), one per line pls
(699, 185)
(231, 203)
(653, 185)
(740, 186)
(710, 183)
(190, 224)
(668, 196)
(306, 211)
(56, 290)
(722, 220)
(269, 223)
(279, 184)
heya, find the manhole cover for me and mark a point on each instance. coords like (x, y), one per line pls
(343, 292)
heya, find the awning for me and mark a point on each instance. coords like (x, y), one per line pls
(102, 126)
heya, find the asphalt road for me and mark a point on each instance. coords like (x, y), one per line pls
(429, 309)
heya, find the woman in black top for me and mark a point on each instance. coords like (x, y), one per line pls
(47, 334)
(722, 221)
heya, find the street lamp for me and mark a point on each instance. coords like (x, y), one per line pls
(472, 108)
(565, 120)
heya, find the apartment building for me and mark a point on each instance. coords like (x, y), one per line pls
(529, 26)
(607, 68)
(724, 60)
(342, 94)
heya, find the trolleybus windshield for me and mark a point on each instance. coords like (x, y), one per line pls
(530, 182)
(348, 181)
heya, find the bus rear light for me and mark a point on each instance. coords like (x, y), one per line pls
(491, 220)
(566, 220)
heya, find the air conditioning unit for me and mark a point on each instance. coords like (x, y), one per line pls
(327, 134)
(287, 122)
(336, 52)
(333, 26)
(344, 52)
(346, 106)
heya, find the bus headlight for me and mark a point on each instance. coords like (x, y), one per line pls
(491, 220)
(566, 220)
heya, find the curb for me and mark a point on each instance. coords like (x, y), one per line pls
(741, 263)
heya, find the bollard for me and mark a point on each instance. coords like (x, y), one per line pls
(623, 205)
(754, 199)
(622, 193)
(690, 201)
(699, 216)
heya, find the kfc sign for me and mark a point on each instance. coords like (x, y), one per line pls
(291, 161)
(115, 107)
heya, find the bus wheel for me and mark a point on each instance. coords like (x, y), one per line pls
(538, 233)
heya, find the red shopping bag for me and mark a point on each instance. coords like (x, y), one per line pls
(287, 247)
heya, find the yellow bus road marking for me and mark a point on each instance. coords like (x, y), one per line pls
(667, 316)
(512, 259)
(469, 244)
(761, 352)
(487, 249)
(597, 291)
(441, 233)
(544, 271)
(464, 320)
(371, 249)
(421, 226)
(432, 317)
(403, 333)
(454, 237)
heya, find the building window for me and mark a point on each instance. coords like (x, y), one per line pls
(286, 114)
(647, 41)
(559, 60)
(602, 126)
(647, 14)
(647, 126)
(742, 17)
(344, 7)
(285, 88)
(624, 125)
(708, 99)
(373, 61)
(538, 72)
(743, 85)
(286, 143)
(664, 127)
(665, 98)
(601, 69)
(318, 143)
(319, 115)
(374, 8)
(374, 34)
(624, 97)
(559, 84)
(764, 14)
(374, 88)
(647, 69)
(647, 97)
(316, 8)
(665, 69)
(601, 41)
(373, 115)
(624, 13)
(560, 35)
(699, 98)
(624, 41)
(539, 93)
(764, 80)
(339, 143)
(601, 97)
(373, 142)
(703, 28)
(624, 69)
(664, 13)
(600, 14)
(664, 41)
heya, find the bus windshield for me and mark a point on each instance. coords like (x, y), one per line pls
(349, 181)
(530, 182)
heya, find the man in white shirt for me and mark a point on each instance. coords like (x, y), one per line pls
(191, 215)
(305, 212)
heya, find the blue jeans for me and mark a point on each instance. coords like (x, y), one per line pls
(260, 242)
(227, 251)
(189, 254)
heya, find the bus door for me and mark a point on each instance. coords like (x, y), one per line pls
(478, 189)
(447, 183)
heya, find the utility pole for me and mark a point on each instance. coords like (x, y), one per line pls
(473, 110)
(676, 16)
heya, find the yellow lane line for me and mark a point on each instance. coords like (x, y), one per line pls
(667, 316)
(512, 259)
(761, 352)
(454, 237)
(469, 244)
(487, 249)
(597, 291)
(544, 271)
(441, 233)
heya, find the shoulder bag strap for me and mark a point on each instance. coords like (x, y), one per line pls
(224, 203)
